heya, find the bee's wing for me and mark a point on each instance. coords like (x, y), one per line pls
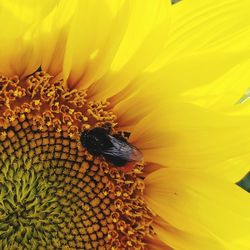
(123, 150)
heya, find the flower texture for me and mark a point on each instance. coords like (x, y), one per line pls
(157, 74)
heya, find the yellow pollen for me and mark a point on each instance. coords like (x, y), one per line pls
(118, 193)
(130, 232)
(54, 194)
(129, 243)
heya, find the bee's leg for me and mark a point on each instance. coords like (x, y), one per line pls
(123, 135)
(126, 134)
(120, 136)
(108, 127)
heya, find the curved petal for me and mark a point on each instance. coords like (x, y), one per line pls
(206, 25)
(225, 94)
(200, 204)
(102, 61)
(181, 240)
(89, 38)
(18, 50)
(52, 34)
(153, 243)
(193, 71)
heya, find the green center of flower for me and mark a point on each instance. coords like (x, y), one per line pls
(53, 193)
(29, 211)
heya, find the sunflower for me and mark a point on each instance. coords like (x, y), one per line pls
(150, 72)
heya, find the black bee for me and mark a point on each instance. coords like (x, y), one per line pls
(114, 148)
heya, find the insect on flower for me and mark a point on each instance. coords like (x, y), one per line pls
(114, 148)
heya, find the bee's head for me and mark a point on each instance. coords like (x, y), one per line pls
(84, 138)
(95, 140)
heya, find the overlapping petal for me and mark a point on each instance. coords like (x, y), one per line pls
(224, 93)
(110, 62)
(33, 36)
(199, 204)
(203, 26)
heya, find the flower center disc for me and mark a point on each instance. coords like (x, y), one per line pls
(53, 193)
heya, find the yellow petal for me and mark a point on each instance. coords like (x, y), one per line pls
(206, 25)
(17, 19)
(102, 60)
(200, 204)
(155, 244)
(193, 71)
(226, 93)
(181, 240)
(234, 169)
(89, 34)
(51, 36)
